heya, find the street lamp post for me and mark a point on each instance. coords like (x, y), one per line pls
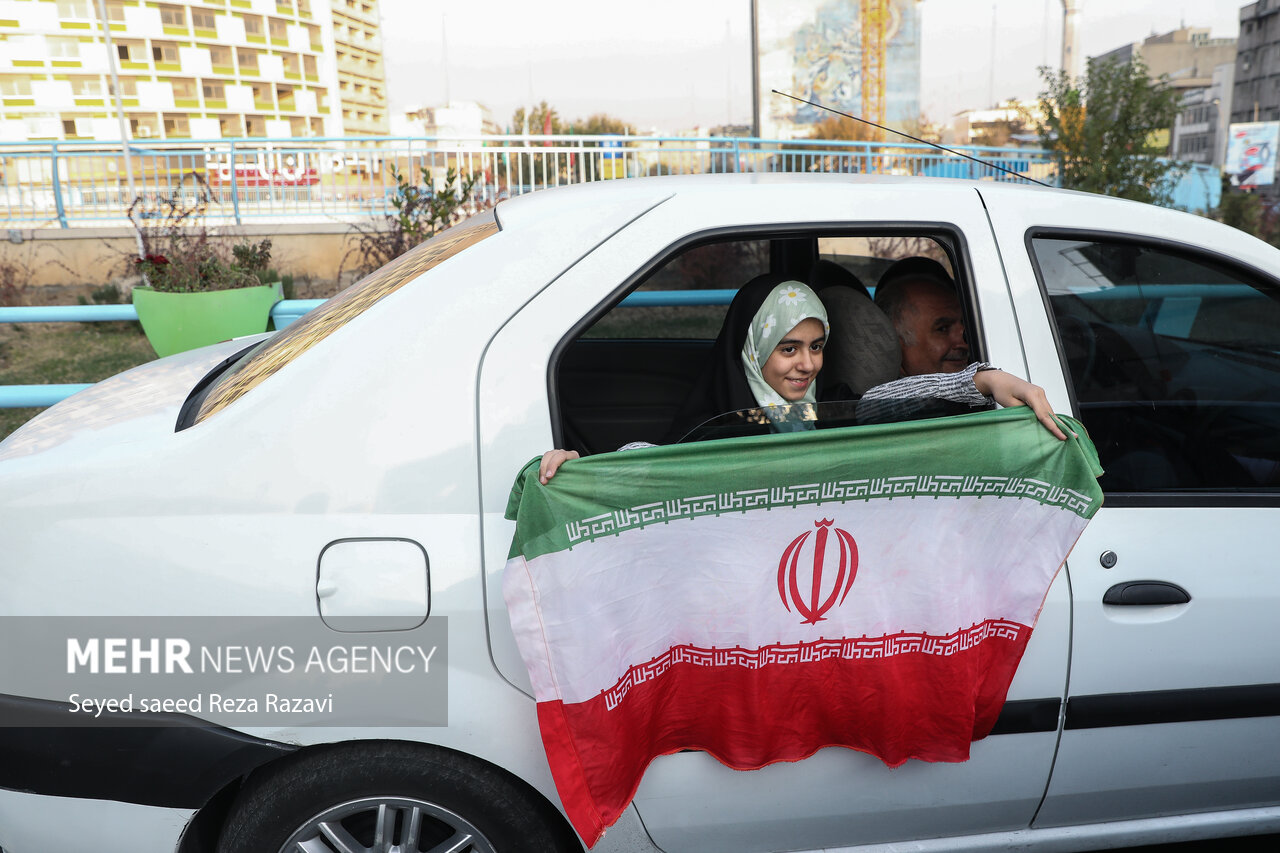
(124, 125)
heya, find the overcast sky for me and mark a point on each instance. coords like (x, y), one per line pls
(674, 64)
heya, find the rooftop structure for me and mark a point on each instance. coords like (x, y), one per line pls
(1187, 56)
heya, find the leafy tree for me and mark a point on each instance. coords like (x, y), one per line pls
(842, 128)
(596, 124)
(601, 123)
(1102, 127)
(537, 119)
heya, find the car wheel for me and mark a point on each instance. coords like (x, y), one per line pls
(386, 797)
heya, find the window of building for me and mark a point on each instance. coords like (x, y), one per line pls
(247, 59)
(291, 63)
(176, 125)
(85, 86)
(164, 51)
(304, 8)
(214, 90)
(203, 20)
(253, 25)
(1174, 359)
(309, 65)
(128, 87)
(15, 85)
(173, 16)
(277, 29)
(74, 9)
(219, 56)
(115, 10)
(68, 127)
(59, 47)
(185, 89)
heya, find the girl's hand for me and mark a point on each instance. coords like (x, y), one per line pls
(553, 459)
(1008, 390)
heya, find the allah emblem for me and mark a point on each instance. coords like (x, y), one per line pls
(818, 597)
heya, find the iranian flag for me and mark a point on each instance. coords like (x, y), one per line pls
(762, 598)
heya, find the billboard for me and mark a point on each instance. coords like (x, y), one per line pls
(813, 49)
(1251, 153)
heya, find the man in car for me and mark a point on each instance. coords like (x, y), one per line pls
(920, 299)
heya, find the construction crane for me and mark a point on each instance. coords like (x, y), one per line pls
(874, 16)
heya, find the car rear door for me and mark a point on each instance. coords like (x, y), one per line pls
(689, 801)
(1164, 330)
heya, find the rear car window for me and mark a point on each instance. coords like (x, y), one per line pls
(1174, 359)
(277, 351)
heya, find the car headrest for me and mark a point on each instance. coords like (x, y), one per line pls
(862, 349)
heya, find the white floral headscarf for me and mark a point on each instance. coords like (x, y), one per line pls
(786, 306)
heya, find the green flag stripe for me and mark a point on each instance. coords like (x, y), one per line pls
(1004, 453)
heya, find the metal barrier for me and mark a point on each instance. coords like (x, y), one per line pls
(32, 396)
(284, 313)
(265, 180)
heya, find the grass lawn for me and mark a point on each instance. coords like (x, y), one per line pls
(54, 353)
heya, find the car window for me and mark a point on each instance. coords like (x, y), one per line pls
(629, 371)
(1174, 360)
(278, 350)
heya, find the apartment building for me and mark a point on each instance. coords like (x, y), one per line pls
(194, 69)
(362, 84)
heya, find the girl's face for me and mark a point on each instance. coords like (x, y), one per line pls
(794, 363)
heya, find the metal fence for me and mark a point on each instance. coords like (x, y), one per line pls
(272, 180)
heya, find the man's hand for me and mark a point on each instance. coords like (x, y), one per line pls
(553, 459)
(1008, 390)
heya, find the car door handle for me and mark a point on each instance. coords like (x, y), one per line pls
(1146, 593)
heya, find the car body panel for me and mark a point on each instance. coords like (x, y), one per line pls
(1222, 554)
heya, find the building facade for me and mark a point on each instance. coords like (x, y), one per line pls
(813, 49)
(197, 69)
(362, 82)
(1186, 56)
(1200, 128)
(1256, 92)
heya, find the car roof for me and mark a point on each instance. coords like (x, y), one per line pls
(579, 199)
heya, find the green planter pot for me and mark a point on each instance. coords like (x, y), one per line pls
(177, 322)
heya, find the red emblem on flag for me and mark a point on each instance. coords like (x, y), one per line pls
(818, 597)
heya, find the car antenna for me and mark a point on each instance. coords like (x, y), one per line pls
(912, 138)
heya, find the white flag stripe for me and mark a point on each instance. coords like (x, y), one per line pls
(616, 587)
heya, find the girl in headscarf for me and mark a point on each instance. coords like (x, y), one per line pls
(769, 353)
(759, 360)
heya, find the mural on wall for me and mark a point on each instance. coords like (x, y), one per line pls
(813, 49)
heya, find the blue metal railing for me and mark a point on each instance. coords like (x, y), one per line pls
(38, 396)
(257, 180)
(284, 313)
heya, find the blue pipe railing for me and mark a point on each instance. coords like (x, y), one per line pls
(285, 312)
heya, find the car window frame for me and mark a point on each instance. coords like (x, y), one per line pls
(962, 264)
(1207, 498)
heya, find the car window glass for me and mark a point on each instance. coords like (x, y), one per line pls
(630, 373)
(869, 257)
(278, 350)
(1175, 364)
(699, 270)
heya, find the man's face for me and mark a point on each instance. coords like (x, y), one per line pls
(931, 330)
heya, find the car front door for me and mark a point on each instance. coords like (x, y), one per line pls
(1171, 353)
(689, 801)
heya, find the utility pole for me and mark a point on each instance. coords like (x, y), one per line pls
(124, 125)
(755, 70)
(1070, 22)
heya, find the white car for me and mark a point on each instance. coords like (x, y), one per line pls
(351, 474)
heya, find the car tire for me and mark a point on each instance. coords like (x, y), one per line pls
(383, 796)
